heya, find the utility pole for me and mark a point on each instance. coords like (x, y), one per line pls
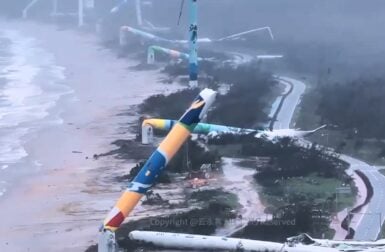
(139, 13)
(193, 41)
(380, 213)
(80, 13)
(54, 7)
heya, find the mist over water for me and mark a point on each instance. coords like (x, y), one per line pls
(340, 38)
(30, 86)
(313, 35)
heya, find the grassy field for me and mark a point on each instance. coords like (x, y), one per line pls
(295, 197)
(367, 150)
(217, 196)
(329, 234)
(321, 190)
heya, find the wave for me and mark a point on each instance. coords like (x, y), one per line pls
(32, 86)
(2, 188)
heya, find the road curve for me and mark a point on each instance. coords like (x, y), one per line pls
(240, 179)
(368, 226)
(370, 220)
(286, 112)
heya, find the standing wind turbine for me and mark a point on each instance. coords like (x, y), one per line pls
(193, 38)
(148, 174)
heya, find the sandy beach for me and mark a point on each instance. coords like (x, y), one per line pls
(61, 206)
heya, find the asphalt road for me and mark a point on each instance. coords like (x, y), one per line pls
(286, 113)
(374, 215)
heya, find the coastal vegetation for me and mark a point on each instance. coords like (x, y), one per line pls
(298, 187)
(289, 221)
(197, 155)
(350, 109)
(248, 99)
(170, 106)
(298, 183)
(296, 172)
(354, 106)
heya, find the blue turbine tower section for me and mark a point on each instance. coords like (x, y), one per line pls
(193, 37)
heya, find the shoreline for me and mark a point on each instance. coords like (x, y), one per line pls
(69, 189)
(94, 133)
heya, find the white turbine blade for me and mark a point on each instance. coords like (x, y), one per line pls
(237, 35)
(266, 56)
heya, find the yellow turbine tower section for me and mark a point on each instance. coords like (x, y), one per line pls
(156, 163)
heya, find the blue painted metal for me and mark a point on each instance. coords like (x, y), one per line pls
(193, 39)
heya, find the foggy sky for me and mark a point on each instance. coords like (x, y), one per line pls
(344, 33)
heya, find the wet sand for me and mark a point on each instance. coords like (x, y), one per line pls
(61, 206)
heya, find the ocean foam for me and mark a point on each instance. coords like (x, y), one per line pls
(2, 191)
(34, 84)
(2, 188)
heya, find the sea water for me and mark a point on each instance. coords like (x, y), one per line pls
(31, 84)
